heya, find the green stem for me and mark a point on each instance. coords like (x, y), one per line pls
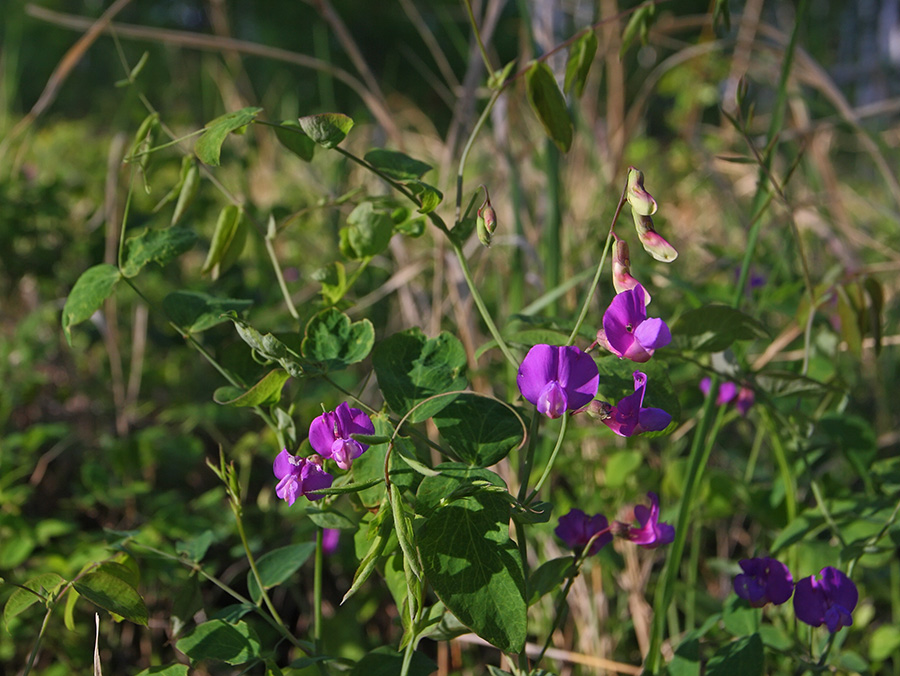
(787, 477)
(236, 510)
(484, 54)
(269, 239)
(526, 461)
(592, 289)
(464, 157)
(549, 467)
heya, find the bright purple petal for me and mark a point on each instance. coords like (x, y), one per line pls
(321, 434)
(727, 392)
(282, 465)
(809, 602)
(653, 420)
(314, 479)
(705, 385)
(576, 529)
(552, 401)
(624, 314)
(652, 334)
(650, 533)
(539, 367)
(579, 376)
(330, 539)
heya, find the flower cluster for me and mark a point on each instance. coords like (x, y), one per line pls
(742, 397)
(578, 530)
(828, 599)
(330, 436)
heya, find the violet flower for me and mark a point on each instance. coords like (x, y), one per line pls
(329, 434)
(629, 416)
(828, 601)
(576, 529)
(298, 476)
(764, 580)
(330, 539)
(743, 398)
(627, 332)
(557, 379)
(650, 533)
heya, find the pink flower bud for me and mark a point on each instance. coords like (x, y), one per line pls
(641, 201)
(653, 242)
(486, 222)
(621, 269)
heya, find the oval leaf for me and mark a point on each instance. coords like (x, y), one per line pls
(112, 593)
(92, 288)
(480, 431)
(581, 56)
(548, 104)
(396, 165)
(218, 640)
(335, 342)
(266, 391)
(156, 246)
(209, 146)
(277, 566)
(292, 137)
(36, 590)
(713, 328)
(411, 368)
(327, 129)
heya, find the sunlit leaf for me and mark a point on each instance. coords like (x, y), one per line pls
(156, 246)
(292, 137)
(92, 288)
(209, 146)
(326, 129)
(218, 640)
(267, 391)
(114, 594)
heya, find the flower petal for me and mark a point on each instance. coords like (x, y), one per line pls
(579, 377)
(539, 367)
(321, 434)
(283, 465)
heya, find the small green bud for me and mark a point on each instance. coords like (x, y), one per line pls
(641, 201)
(486, 222)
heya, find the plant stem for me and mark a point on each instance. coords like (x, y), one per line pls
(269, 239)
(484, 54)
(236, 510)
(551, 461)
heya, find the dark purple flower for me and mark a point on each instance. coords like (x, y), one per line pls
(330, 539)
(629, 417)
(743, 398)
(626, 330)
(298, 476)
(649, 533)
(329, 434)
(576, 529)
(764, 580)
(828, 601)
(557, 379)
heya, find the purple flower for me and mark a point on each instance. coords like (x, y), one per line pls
(764, 580)
(329, 434)
(330, 539)
(743, 398)
(626, 330)
(829, 600)
(649, 533)
(629, 417)
(577, 528)
(557, 379)
(298, 476)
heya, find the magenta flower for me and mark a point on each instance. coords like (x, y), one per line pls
(828, 601)
(649, 533)
(329, 434)
(627, 332)
(557, 379)
(743, 398)
(629, 416)
(330, 539)
(298, 476)
(764, 580)
(577, 528)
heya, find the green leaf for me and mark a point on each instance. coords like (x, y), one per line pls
(269, 347)
(384, 661)
(195, 311)
(292, 137)
(327, 129)
(548, 104)
(36, 590)
(429, 196)
(739, 617)
(170, 670)
(266, 392)
(218, 640)
(581, 56)
(411, 368)
(224, 236)
(333, 279)
(209, 146)
(335, 342)
(638, 24)
(743, 657)
(620, 465)
(548, 576)
(329, 518)
(884, 642)
(480, 430)
(156, 246)
(713, 328)
(686, 661)
(396, 165)
(468, 557)
(277, 566)
(110, 592)
(196, 547)
(92, 288)
(368, 232)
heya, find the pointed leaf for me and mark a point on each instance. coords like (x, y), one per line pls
(335, 342)
(37, 590)
(218, 640)
(743, 657)
(267, 391)
(277, 566)
(327, 129)
(429, 196)
(396, 165)
(411, 368)
(368, 232)
(209, 146)
(548, 104)
(114, 594)
(195, 311)
(479, 431)
(713, 328)
(581, 56)
(469, 559)
(292, 137)
(92, 288)
(156, 246)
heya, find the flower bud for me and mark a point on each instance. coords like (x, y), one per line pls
(653, 243)
(641, 201)
(621, 270)
(486, 222)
